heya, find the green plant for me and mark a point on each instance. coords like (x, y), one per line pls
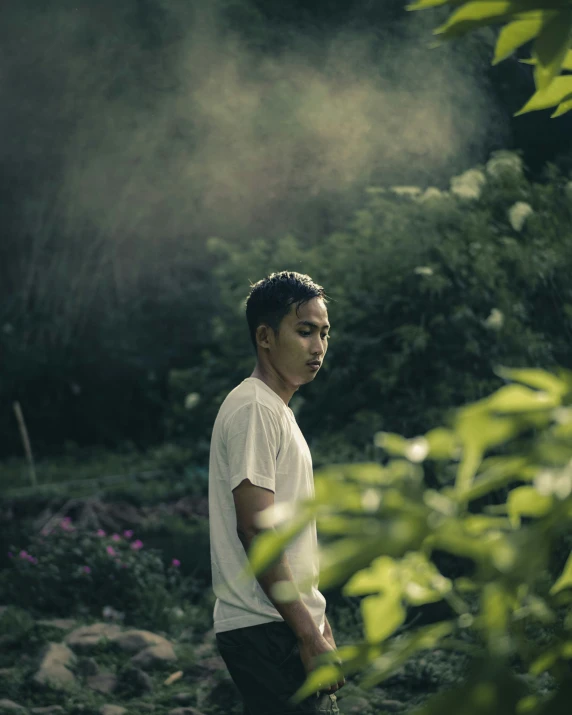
(74, 571)
(385, 528)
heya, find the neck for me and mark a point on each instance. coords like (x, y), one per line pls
(275, 382)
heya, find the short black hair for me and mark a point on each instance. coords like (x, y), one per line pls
(270, 299)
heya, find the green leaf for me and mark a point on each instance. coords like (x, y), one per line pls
(443, 443)
(424, 4)
(480, 13)
(318, 679)
(558, 90)
(563, 107)
(380, 575)
(382, 614)
(399, 652)
(516, 398)
(516, 34)
(526, 501)
(565, 579)
(550, 48)
(566, 64)
(540, 379)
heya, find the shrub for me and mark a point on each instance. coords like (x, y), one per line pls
(73, 571)
(386, 527)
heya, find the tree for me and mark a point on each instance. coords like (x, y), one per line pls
(547, 23)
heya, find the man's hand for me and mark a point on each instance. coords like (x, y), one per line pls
(329, 637)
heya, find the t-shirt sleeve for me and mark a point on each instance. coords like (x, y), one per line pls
(252, 444)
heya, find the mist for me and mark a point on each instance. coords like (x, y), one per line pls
(197, 131)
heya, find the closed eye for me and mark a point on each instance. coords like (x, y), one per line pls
(307, 334)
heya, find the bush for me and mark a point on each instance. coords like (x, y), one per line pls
(72, 571)
(385, 529)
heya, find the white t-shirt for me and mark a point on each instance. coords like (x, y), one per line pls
(256, 437)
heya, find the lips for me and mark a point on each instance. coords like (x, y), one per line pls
(315, 362)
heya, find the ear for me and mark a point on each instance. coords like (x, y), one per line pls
(262, 336)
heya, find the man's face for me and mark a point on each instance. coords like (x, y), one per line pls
(302, 337)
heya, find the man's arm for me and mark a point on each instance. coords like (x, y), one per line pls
(249, 500)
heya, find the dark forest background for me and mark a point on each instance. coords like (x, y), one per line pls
(157, 156)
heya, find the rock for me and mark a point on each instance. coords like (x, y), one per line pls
(353, 704)
(182, 698)
(212, 664)
(63, 624)
(86, 638)
(53, 671)
(87, 666)
(133, 641)
(9, 706)
(154, 655)
(104, 683)
(48, 710)
(112, 710)
(135, 680)
(392, 705)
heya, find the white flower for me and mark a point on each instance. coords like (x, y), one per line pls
(433, 193)
(410, 191)
(370, 500)
(468, 185)
(424, 271)
(504, 162)
(495, 320)
(417, 449)
(192, 400)
(568, 190)
(518, 213)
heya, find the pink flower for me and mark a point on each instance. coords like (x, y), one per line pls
(128, 534)
(23, 554)
(123, 566)
(100, 532)
(116, 537)
(32, 559)
(86, 569)
(10, 555)
(45, 532)
(110, 550)
(136, 545)
(175, 562)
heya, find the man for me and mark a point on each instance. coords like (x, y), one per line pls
(258, 458)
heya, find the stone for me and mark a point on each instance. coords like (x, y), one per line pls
(63, 624)
(48, 710)
(133, 641)
(102, 682)
(353, 704)
(135, 680)
(112, 710)
(182, 698)
(86, 638)
(392, 705)
(9, 706)
(154, 655)
(87, 666)
(53, 671)
(212, 664)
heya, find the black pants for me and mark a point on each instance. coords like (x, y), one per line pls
(265, 665)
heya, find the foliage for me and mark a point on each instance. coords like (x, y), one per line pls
(427, 295)
(385, 528)
(77, 572)
(548, 24)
